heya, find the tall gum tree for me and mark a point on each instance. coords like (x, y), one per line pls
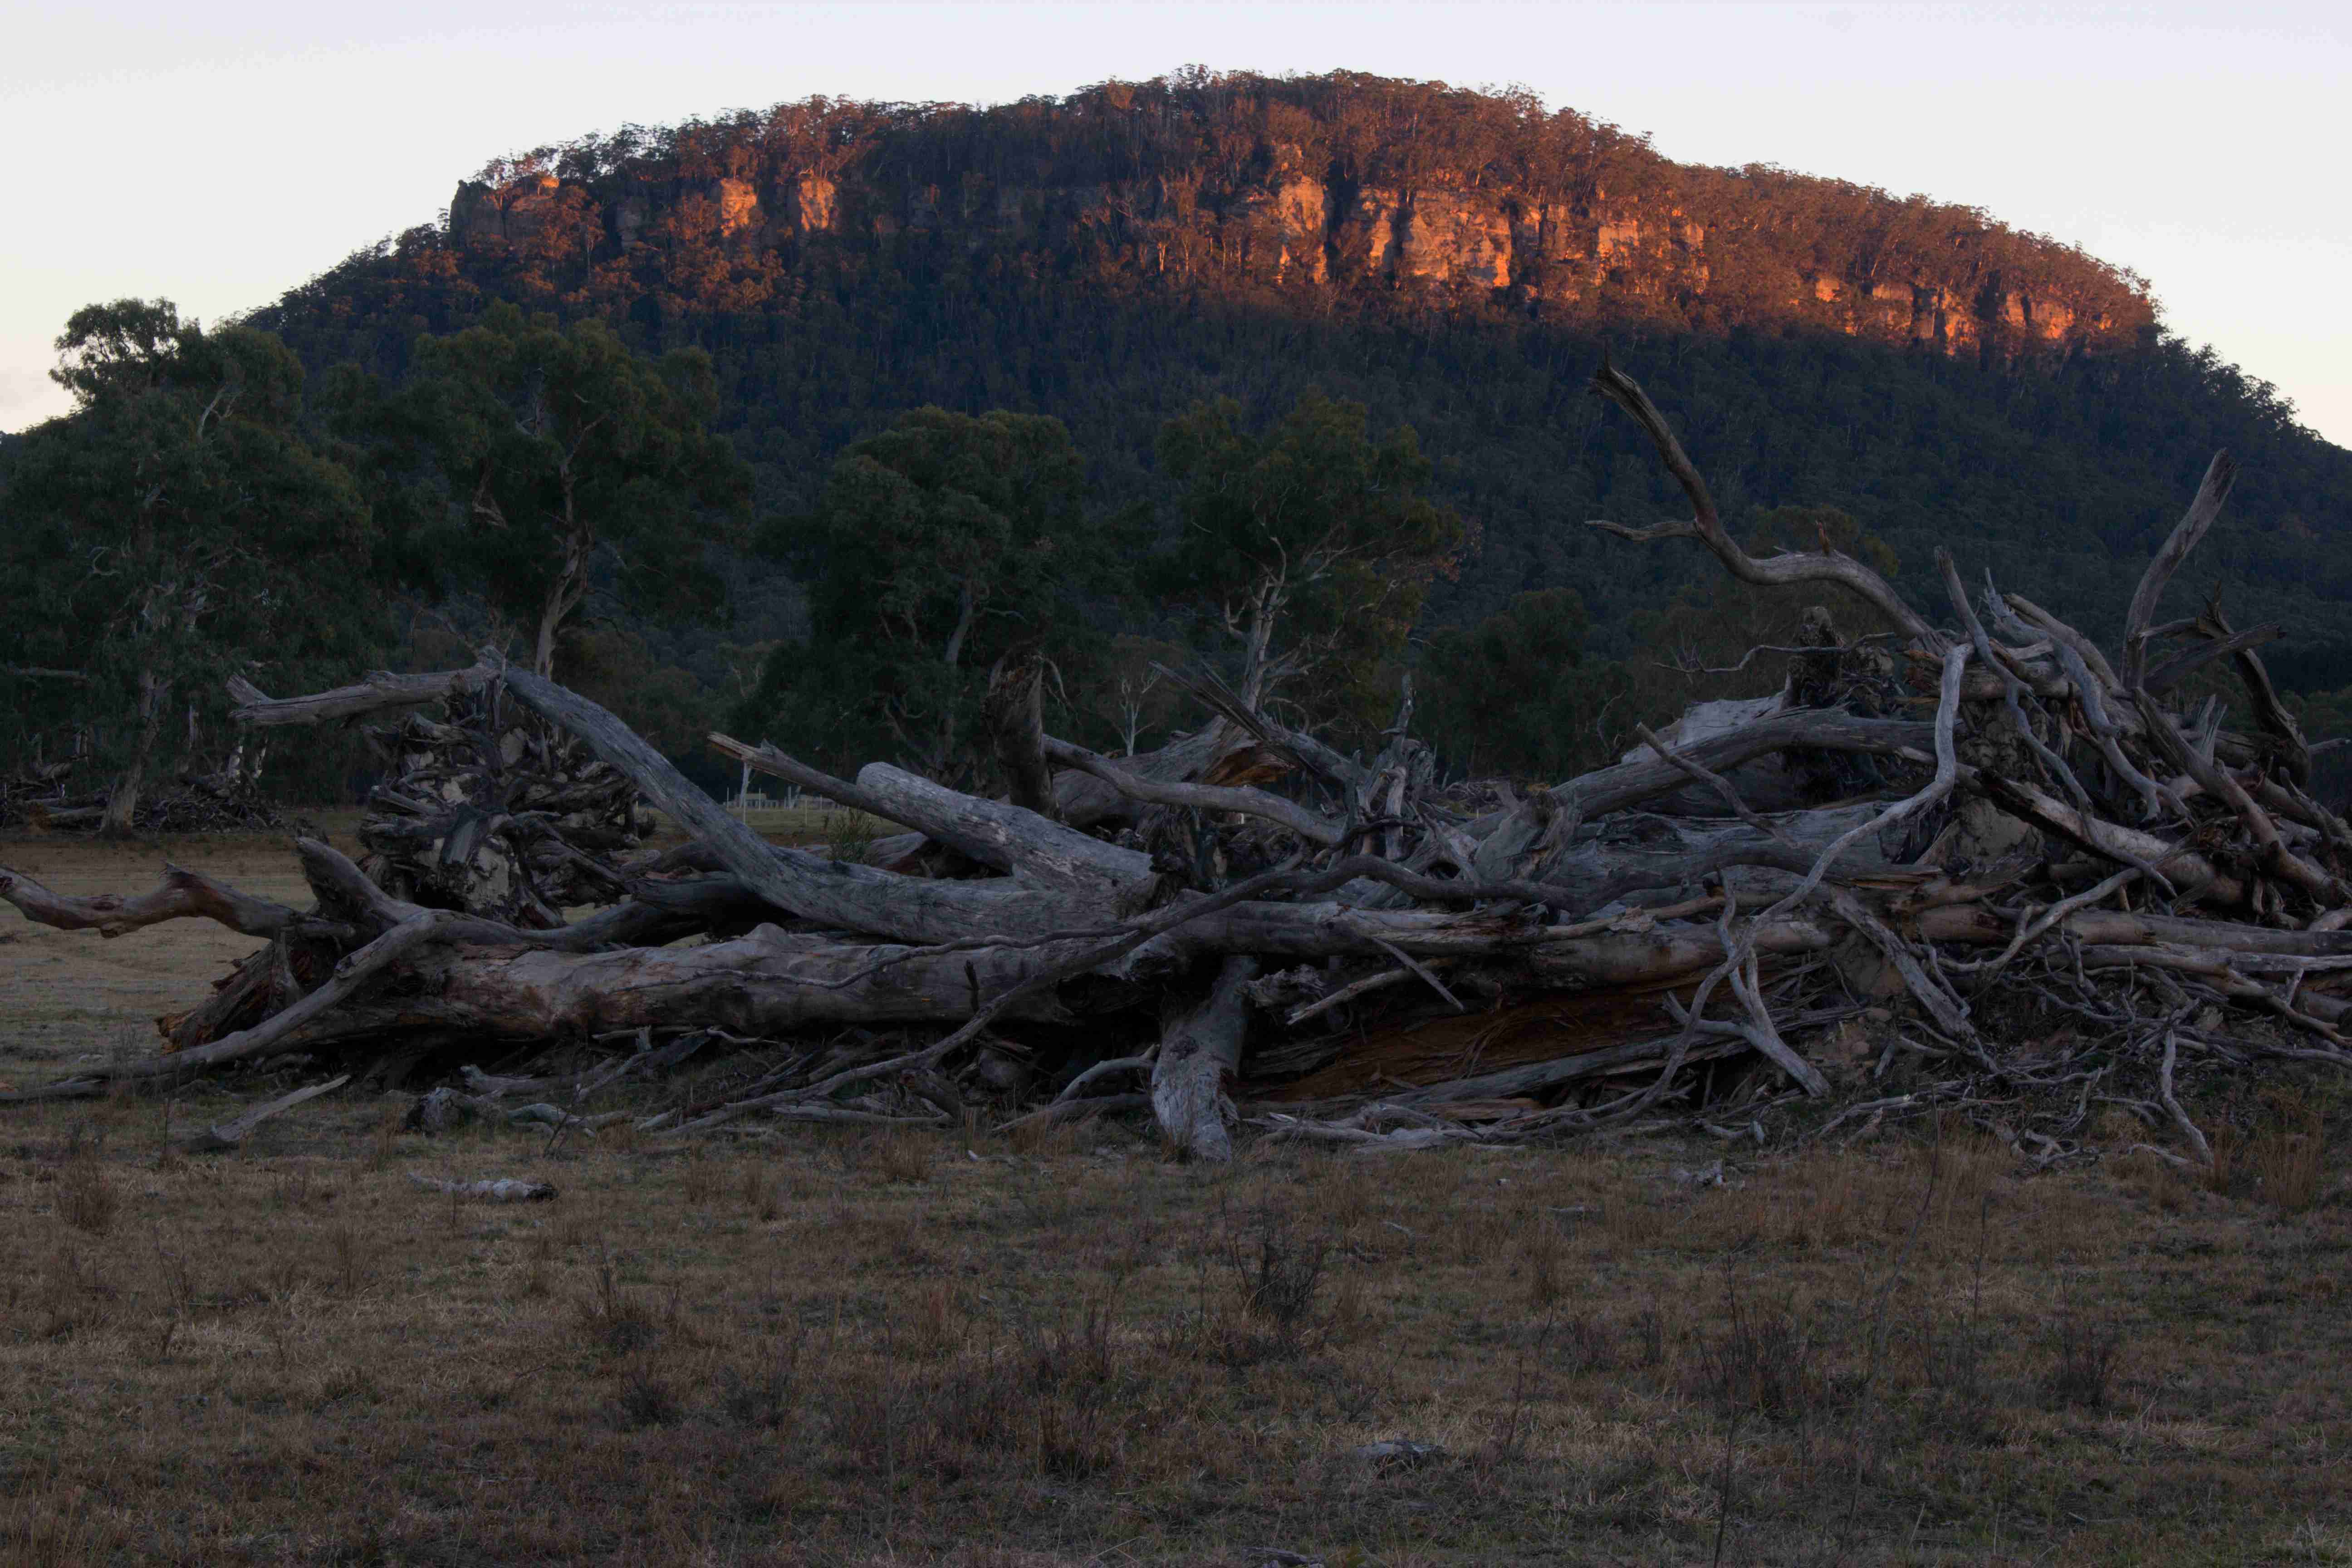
(1308, 543)
(177, 526)
(542, 465)
(936, 547)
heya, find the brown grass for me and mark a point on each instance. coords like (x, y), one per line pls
(825, 1346)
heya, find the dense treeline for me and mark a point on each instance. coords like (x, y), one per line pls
(2062, 467)
(804, 279)
(2065, 473)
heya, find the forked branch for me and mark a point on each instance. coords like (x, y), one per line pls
(1707, 526)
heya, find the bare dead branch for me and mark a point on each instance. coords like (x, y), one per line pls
(1708, 528)
(183, 894)
(2212, 493)
(377, 692)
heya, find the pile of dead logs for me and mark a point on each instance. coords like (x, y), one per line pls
(2012, 875)
(229, 800)
(491, 809)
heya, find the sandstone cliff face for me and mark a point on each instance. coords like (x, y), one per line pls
(1334, 186)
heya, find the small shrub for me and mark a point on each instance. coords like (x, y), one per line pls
(1649, 1336)
(616, 1320)
(767, 1396)
(849, 837)
(1038, 1141)
(933, 1326)
(1081, 1351)
(1543, 1257)
(2287, 1155)
(2083, 1363)
(1281, 1278)
(86, 1199)
(1762, 1362)
(2229, 1161)
(47, 1523)
(73, 1296)
(1274, 1282)
(344, 1247)
(645, 1399)
(898, 1155)
(760, 1195)
(1587, 1346)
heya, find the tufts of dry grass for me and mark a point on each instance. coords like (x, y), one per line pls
(837, 1346)
(2288, 1155)
(831, 1346)
(86, 1199)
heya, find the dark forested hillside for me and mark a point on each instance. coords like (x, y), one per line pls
(1454, 261)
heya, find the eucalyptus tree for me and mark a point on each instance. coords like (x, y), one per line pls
(937, 547)
(1308, 543)
(176, 528)
(544, 466)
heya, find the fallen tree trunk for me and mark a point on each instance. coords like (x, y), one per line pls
(183, 895)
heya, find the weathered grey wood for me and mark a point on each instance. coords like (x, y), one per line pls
(224, 1136)
(854, 897)
(1199, 1050)
(2294, 751)
(1508, 1082)
(1014, 715)
(1011, 837)
(765, 984)
(2213, 494)
(2182, 665)
(1706, 526)
(767, 760)
(183, 894)
(489, 1190)
(1081, 800)
(378, 691)
(2184, 869)
(282, 1032)
(658, 912)
(1248, 800)
(1614, 788)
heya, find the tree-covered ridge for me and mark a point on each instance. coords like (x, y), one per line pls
(1379, 194)
(845, 262)
(2058, 469)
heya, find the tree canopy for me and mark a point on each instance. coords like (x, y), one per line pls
(1514, 695)
(176, 529)
(541, 466)
(1308, 542)
(935, 547)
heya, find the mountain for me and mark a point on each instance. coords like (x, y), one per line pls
(1454, 259)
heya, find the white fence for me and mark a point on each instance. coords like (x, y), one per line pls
(748, 800)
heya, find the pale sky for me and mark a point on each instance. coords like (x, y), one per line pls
(220, 154)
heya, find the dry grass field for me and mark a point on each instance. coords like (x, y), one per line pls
(827, 1347)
